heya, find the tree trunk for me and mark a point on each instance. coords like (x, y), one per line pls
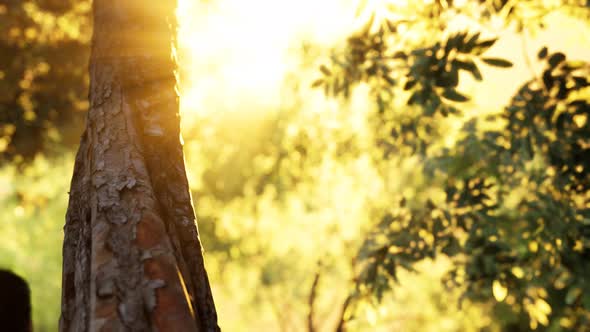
(132, 259)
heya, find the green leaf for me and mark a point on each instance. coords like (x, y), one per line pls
(469, 66)
(432, 105)
(448, 79)
(389, 80)
(389, 266)
(317, 83)
(497, 62)
(572, 295)
(336, 87)
(483, 45)
(325, 70)
(542, 53)
(575, 64)
(420, 51)
(380, 104)
(452, 248)
(414, 98)
(581, 82)
(470, 43)
(556, 59)
(547, 79)
(452, 43)
(391, 26)
(409, 84)
(454, 95)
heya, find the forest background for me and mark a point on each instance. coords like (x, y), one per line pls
(390, 165)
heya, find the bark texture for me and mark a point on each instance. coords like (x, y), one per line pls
(132, 259)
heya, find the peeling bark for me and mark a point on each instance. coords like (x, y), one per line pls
(132, 254)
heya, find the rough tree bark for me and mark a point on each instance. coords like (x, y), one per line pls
(132, 258)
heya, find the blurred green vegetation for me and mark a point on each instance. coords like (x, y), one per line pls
(507, 199)
(419, 209)
(33, 201)
(44, 47)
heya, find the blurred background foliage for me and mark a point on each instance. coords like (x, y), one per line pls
(44, 47)
(382, 165)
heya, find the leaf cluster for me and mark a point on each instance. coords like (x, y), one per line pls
(515, 217)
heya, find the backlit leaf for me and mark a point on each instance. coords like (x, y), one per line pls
(454, 95)
(325, 70)
(497, 62)
(542, 53)
(317, 83)
(500, 292)
(556, 59)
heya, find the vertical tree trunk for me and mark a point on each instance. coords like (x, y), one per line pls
(132, 258)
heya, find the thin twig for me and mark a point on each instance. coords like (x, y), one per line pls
(342, 321)
(312, 296)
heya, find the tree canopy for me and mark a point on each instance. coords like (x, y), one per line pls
(508, 200)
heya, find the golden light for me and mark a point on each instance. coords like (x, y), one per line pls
(236, 53)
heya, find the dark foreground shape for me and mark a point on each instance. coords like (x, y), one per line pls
(15, 303)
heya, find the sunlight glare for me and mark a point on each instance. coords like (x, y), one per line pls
(236, 53)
